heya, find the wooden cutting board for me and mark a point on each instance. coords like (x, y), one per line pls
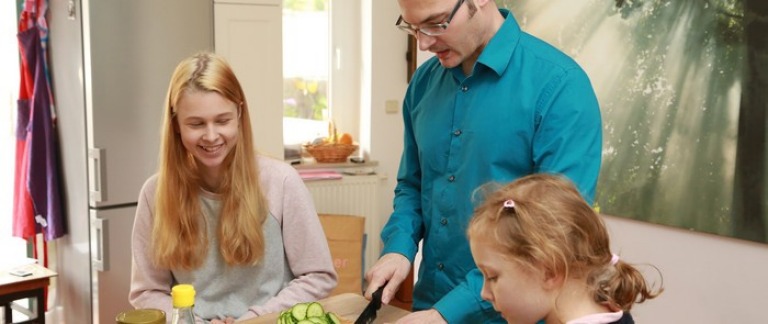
(348, 306)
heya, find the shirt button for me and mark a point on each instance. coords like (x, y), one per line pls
(451, 178)
(444, 221)
(464, 88)
(457, 132)
(440, 265)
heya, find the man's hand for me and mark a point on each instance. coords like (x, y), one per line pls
(430, 316)
(391, 268)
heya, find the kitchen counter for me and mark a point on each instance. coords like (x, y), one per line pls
(348, 306)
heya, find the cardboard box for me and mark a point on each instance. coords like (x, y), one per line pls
(345, 234)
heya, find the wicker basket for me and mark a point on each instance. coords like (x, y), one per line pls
(331, 153)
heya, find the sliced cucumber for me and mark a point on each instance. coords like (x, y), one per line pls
(315, 310)
(318, 320)
(299, 311)
(307, 313)
(286, 318)
(332, 318)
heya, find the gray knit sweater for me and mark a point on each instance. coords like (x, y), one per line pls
(297, 265)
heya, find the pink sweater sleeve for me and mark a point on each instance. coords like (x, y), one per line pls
(150, 286)
(306, 247)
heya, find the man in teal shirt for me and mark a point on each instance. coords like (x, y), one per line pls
(494, 104)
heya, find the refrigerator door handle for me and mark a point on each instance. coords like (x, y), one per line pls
(99, 246)
(96, 158)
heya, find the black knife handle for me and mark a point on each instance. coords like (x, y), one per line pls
(377, 295)
(369, 313)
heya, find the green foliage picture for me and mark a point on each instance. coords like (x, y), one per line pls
(683, 90)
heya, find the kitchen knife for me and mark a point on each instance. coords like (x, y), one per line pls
(369, 313)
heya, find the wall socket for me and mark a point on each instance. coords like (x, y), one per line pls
(71, 10)
(391, 106)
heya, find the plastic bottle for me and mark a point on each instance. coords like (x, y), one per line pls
(183, 302)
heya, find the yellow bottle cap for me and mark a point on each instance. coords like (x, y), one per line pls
(141, 316)
(183, 295)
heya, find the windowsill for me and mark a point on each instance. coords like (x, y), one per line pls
(309, 164)
(312, 171)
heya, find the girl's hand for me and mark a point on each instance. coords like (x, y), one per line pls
(228, 320)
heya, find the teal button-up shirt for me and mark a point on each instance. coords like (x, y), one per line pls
(526, 108)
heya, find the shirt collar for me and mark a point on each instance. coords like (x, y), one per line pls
(496, 55)
(598, 318)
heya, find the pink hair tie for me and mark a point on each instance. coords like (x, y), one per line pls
(614, 259)
(509, 203)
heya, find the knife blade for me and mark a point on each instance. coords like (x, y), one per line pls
(369, 313)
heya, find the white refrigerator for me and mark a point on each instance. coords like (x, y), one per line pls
(110, 62)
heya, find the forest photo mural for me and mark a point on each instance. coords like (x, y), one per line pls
(683, 91)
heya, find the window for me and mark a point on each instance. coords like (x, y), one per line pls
(321, 68)
(306, 79)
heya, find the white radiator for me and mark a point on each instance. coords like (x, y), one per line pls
(353, 195)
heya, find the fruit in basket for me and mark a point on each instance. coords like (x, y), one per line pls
(308, 313)
(334, 137)
(346, 138)
(318, 141)
(334, 148)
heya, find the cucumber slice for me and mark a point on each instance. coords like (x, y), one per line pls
(304, 322)
(332, 318)
(315, 310)
(318, 320)
(299, 311)
(288, 318)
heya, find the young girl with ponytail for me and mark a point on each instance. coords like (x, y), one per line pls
(545, 256)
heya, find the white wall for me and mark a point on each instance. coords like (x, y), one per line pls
(708, 279)
(384, 73)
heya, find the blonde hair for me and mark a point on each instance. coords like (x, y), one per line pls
(551, 228)
(179, 239)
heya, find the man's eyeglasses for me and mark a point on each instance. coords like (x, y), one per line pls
(431, 29)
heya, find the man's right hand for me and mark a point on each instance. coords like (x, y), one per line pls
(392, 268)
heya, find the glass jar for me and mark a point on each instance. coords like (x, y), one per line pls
(141, 316)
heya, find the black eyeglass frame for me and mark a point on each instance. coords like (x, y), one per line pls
(439, 29)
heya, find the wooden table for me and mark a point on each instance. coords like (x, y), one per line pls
(349, 306)
(32, 286)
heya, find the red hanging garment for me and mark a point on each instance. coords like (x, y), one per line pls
(37, 196)
(40, 156)
(23, 213)
(42, 148)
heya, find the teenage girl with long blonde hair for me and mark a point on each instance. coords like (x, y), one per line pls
(240, 227)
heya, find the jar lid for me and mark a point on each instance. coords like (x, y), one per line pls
(141, 316)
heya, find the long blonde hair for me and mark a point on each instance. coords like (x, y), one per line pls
(179, 239)
(552, 228)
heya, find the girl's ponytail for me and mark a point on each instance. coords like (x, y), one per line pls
(621, 285)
